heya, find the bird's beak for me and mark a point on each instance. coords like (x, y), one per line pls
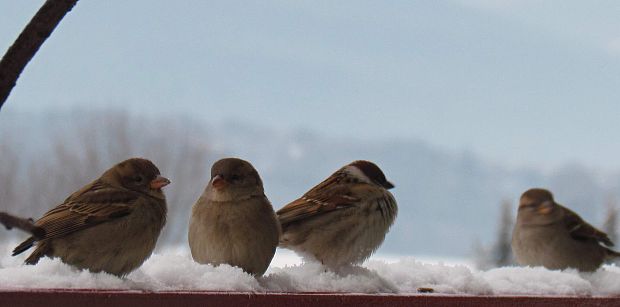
(218, 182)
(545, 208)
(159, 182)
(388, 185)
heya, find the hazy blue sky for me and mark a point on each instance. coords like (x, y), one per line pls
(520, 82)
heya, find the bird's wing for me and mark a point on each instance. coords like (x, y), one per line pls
(581, 230)
(327, 196)
(86, 208)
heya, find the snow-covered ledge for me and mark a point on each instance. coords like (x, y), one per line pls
(174, 277)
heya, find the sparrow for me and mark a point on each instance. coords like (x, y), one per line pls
(233, 222)
(551, 235)
(343, 219)
(109, 225)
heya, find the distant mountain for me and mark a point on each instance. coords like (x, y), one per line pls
(447, 200)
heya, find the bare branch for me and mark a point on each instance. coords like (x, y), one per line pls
(29, 42)
(10, 221)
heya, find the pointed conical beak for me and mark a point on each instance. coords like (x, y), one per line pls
(545, 208)
(388, 185)
(219, 182)
(159, 182)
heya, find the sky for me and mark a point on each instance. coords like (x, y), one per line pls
(521, 83)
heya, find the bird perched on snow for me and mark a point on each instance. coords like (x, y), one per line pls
(343, 219)
(550, 235)
(233, 222)
(109, 225)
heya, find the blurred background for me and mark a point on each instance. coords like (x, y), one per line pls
(463, 104)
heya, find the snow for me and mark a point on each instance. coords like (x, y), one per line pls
(175, 270)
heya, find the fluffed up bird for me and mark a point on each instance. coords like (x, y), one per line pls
(550, 235)
(343, 219)
(233, 222)
(109, 225)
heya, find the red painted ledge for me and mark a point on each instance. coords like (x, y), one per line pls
(122, 298)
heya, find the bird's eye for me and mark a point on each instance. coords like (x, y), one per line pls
(138, 178)
(235, 178)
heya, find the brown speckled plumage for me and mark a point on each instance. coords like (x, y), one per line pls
(343, 219)
(551, 235)
(109, 225)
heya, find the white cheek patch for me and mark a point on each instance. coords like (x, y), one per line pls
(357, 173)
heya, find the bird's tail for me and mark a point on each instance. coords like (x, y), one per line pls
(41, 250)
(612, 253)
(24, 246)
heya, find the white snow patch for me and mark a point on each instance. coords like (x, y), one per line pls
(175, 270)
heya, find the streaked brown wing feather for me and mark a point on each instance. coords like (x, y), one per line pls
(327, 196)
(581, 230)
(86, 208)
